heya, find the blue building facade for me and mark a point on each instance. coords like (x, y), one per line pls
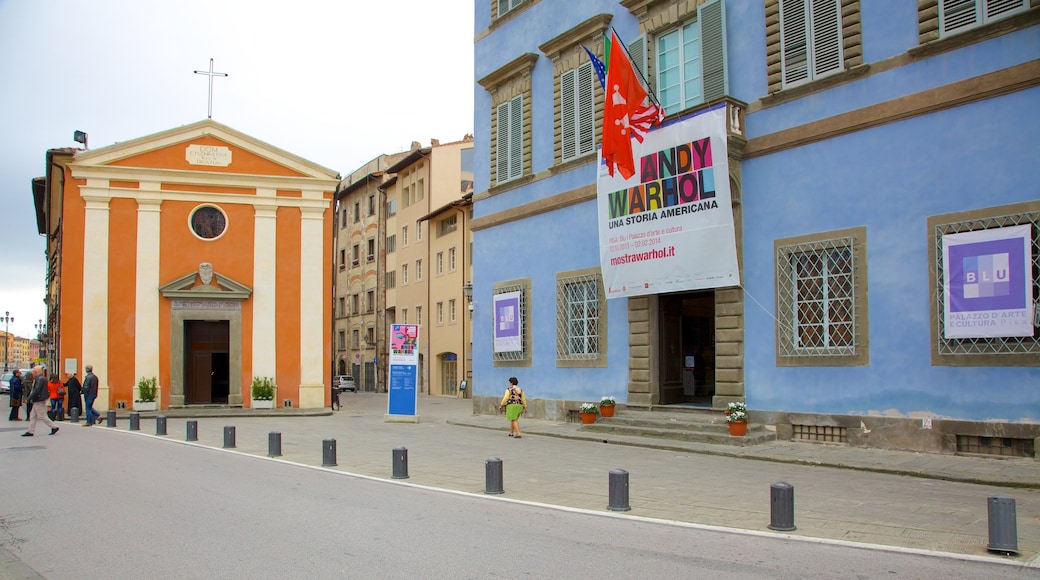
(870, 146)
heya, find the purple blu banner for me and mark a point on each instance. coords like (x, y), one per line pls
(987, 277)
(508, 322)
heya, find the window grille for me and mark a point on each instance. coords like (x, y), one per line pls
(816, 305)
(977, 346)
(999, 446)
(821, 433)
(525, 320)
(578, 317)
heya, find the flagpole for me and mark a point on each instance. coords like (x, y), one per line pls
(639, 73)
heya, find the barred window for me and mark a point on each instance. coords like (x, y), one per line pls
(580, 318)
(821, 299)
(522, 355)
(988, 350)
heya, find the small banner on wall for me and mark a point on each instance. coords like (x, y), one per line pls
(404, 367)
(508, 322)
(988, 283)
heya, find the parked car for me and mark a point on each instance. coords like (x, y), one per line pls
(345, 383)
(5, 383)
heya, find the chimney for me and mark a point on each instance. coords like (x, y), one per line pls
(435, 142)
(416, 146)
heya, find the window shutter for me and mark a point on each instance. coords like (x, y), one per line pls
(957, 14)
(637, 50)
(712, 18)
(826, 37)
(502, 144)
(516, 137)
(794, 41)
(998, 8)
(568, 108)
(586, 110)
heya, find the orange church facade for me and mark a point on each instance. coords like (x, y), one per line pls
(198, 256)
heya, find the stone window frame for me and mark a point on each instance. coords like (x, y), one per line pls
(933, 42)
(852, 50)
(521, 358)
(789, 354)
(1022, 351)
(661, 17)
(506, 84)
(565, 359)
(567, 55)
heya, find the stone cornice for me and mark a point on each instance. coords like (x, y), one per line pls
(522, 64)
(213, 178)
(595, 25)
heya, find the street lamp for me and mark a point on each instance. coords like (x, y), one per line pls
(7, 319)
(41, 336)
(467, 291)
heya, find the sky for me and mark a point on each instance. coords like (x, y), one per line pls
(123, 69)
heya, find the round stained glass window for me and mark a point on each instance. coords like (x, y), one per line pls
(208, 222)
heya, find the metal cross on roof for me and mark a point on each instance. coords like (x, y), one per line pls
(210, 74)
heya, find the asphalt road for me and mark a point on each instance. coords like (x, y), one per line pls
(98, 505)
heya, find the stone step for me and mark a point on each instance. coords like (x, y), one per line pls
(715, 437)
(653, 420)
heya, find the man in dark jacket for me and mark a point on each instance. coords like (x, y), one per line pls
(90, 389)
(37, 396)
(16, 396)
(73, 387)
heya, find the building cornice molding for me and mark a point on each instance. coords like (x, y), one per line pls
(520, 65)
(598, 24)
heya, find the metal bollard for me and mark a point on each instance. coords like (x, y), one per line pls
(618, 487)
(781, 507)
(1003, 525)
(74, 414)
(328, 453)
(493, 476)
(111, 417)
(274, 444)
(135, 421)
(400, 463)
(192, 428)
(229, 436)
(160, 425)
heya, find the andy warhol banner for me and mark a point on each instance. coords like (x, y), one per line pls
(670, 226)
(988, 283)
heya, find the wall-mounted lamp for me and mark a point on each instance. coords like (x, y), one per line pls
(467, 291)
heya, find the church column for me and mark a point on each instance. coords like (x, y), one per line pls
(312, 294)
(146, 308)
(95, 288)
(264, 281)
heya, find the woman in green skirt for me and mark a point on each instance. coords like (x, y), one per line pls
(515, 404)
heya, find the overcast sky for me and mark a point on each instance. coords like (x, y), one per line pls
(336, 82)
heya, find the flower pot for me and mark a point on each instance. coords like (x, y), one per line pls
(588, 418)
(738, 428)
(607, 410)
(145, 405)
(258, 404)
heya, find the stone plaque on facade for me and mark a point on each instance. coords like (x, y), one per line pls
(207, 305)
(208, 155)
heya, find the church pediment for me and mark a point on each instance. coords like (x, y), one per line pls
(205, 284)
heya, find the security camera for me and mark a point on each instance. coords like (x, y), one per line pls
(470, 307)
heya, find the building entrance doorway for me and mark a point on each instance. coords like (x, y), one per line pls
(687, 348)
(206, 362)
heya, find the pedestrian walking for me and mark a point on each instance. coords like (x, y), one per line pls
(75, 393)
(515, 404)
(16, 396)
(38, 396)
(57, 397)
(90, 391)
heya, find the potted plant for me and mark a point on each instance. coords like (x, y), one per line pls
(262, 393)
(588, 412)
(606, 406)
(147, 391)
(737, 418)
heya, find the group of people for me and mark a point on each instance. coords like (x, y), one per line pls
(43, 396)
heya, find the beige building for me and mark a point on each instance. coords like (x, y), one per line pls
(427, 260)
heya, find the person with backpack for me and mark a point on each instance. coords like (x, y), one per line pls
(515, 404)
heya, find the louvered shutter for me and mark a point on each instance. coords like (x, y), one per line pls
(1000, 8)
(637, 50)
(826, 37)
(712, 18)
(502, 143)
(586, 124)
(568, 108)
(794, 42)
(955, 15)
(516, 137)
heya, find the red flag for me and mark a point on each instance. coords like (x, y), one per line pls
(627, 111)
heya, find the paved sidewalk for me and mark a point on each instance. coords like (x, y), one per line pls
(907, 500)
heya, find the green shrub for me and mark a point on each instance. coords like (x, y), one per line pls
(147, 389)
(263, 388)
